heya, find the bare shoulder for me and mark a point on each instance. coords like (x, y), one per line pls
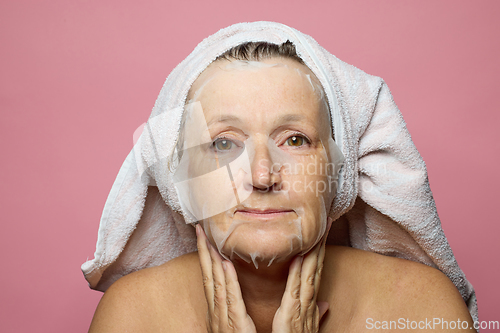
(381, 288)
(154, 299)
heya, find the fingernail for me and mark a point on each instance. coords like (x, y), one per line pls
(197, 230)
(224, 266)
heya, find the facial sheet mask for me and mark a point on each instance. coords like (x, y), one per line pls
(208, 181)
(214, 182)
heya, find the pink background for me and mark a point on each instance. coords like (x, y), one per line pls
(78, 77)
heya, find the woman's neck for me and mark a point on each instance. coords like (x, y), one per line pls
(262, 290)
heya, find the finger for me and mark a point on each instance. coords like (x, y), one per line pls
(321, 257)
(219, 283)
(308, 308)
(206, 268)
(290, 303)
(310, 282)
(236, 310)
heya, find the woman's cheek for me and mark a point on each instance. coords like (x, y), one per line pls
(310, 204)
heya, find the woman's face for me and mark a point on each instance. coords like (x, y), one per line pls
(268, 150)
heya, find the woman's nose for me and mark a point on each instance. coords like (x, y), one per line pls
(265, 173)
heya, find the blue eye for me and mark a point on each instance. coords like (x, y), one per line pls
(223, 144)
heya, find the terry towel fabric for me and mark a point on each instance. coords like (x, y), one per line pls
(383, 203)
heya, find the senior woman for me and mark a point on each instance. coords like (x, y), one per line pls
(276, 152)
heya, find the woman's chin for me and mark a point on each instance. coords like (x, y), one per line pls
(262, 244)
(262, 251)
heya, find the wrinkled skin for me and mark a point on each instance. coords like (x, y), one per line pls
(280, 105)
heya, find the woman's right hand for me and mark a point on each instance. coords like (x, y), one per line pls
(226, 309)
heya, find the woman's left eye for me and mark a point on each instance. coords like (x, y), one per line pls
(296, 141)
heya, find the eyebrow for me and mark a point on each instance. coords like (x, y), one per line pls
(224, 119)
(230, 118)
(291, 117)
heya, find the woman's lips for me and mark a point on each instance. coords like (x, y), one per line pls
(265, 214)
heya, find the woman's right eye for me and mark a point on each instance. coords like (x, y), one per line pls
(223, 144)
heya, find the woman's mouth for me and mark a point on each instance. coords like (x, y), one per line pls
(263, 214)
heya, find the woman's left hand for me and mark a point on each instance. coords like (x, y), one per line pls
(299, 312)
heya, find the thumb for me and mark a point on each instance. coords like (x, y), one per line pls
(322, 307)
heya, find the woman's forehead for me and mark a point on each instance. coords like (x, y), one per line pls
(223, 70)
(272, 87)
